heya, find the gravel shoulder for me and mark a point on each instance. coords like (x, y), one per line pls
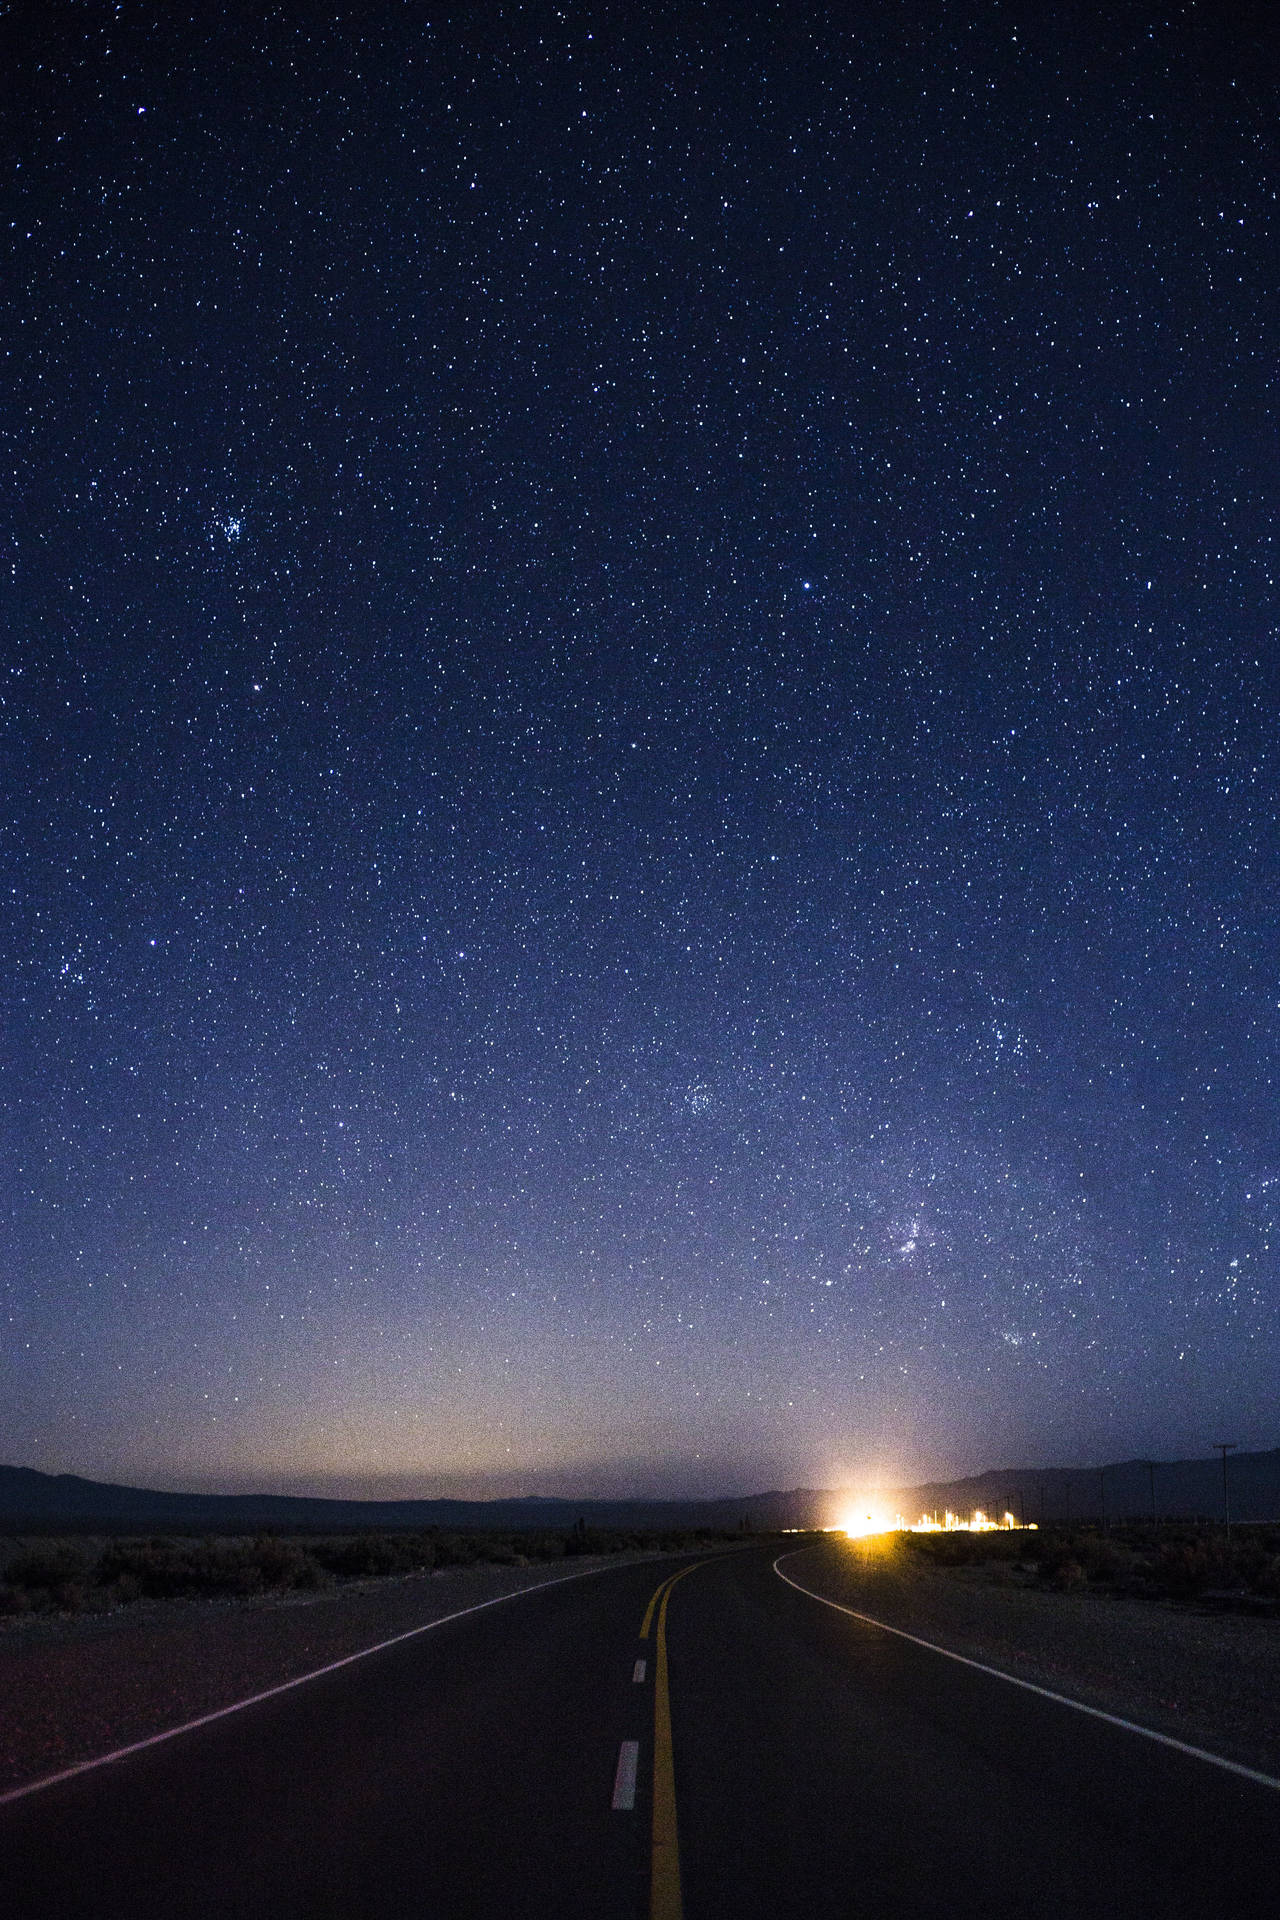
(76, 1688)
(1210, 1679)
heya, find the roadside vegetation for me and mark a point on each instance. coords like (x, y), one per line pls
(1178, 1561)
(75, 1575)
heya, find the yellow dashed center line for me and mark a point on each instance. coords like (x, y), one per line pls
(665, 1901)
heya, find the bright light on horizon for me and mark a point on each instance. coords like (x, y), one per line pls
(978, 1522)
(861, 1522)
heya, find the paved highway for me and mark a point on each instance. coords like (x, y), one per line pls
(677, 1741)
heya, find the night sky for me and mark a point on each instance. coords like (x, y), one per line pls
(640, 733)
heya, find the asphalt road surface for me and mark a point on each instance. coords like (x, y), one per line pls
(655, 1747)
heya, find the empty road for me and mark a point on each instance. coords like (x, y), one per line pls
(677, 1741)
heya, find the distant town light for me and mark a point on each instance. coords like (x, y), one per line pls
(858, 1523)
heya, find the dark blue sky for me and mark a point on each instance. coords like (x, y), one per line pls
(640, 739)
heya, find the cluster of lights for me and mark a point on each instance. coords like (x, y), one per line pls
(978, 1522)
(858, 1523)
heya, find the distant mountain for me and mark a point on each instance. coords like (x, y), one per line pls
(1124, 1489)
(32, 1500)
(1184, 1489)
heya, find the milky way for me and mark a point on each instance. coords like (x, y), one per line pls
(640, 731)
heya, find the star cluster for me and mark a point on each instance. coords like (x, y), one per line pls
(640, 721)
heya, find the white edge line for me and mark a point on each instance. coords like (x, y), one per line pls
(624, 1780)
(285, 1686)
(1046, 1693)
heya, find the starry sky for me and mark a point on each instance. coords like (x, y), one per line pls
(640, 730)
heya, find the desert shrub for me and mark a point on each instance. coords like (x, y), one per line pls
(1267, 1579)
(1103, 1560)
(363, 1555)
(47, 1567)
(66, 1575)
(503, 1553)
(1055, 1550)
(457, 1550)
(1184, 1568)
(173, 1569)
(141, 1563)
(968, 1549)
(1068, 1576)
(280, 1563)
(1251, 1564)
(48, 1578)
(953, 1549)
(376, 1554)
(311, 1576)
(588, 1540)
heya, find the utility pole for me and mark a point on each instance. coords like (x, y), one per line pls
(1150, 1466)
(1224, 1447)
(1102, 1487)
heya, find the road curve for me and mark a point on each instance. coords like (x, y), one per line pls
(665, 1742)
(828, 1768)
